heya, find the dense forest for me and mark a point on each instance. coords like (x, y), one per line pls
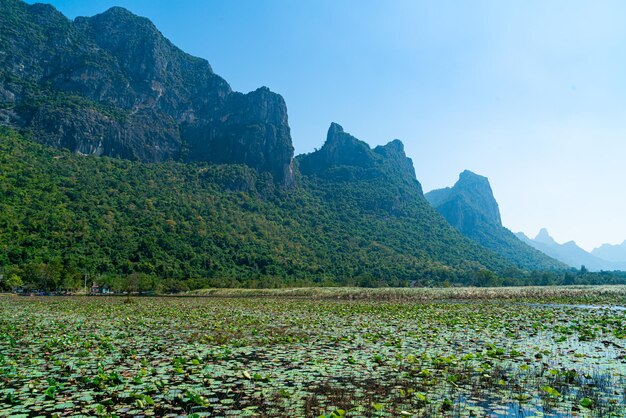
(170, 226)
(64, 216)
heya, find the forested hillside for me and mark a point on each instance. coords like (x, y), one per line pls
(63, 216)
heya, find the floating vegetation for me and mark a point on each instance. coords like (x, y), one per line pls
(269, 357)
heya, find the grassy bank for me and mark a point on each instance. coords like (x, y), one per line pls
(563, 294)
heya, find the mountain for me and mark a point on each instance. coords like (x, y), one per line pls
(113, 85)
(613, 253)
(123, 156)
(471, 208)
(473, 191)
(570, 253)
(342, 154)
(355, 217)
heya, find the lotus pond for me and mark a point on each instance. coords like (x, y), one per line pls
(309, 357)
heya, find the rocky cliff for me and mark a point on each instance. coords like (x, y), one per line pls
(113, 85)
(343, 153)
(469, 202)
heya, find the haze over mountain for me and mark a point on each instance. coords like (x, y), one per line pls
(471, 208)
(570, 253)
(609, 252)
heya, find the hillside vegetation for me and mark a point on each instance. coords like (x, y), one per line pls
(191, 225)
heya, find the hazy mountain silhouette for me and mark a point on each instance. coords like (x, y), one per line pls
(609, 252)
(569, 253)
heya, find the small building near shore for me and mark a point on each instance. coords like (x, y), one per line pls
(97, 289)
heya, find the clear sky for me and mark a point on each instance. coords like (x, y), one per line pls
(530, 93)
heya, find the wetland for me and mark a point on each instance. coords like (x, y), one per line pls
(349, 353)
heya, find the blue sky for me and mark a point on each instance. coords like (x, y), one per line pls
(530, 93)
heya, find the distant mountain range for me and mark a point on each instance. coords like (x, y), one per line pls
(471, 208)
(606, 257)
(613, 253)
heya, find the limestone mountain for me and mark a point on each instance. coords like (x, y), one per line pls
(342, 150)
(471, 208)
(472, 191)
(570, 253)
(113, 85)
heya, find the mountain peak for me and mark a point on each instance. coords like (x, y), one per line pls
(117, 19)
(39, 13)
(611, 252)
(343, 149)
(572, 255)
(395, 145)
(467, 178)
(472, 209)
(334, 129)
(43, 8)
(544, 237)
(469, 173)
(340, 149)
(475, 192)
(393, 152)
(121, 15)
(118, 10)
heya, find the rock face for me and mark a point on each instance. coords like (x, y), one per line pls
(342, 150)
(472, 209)
(570, 253)
(468, 204)
(113, 85)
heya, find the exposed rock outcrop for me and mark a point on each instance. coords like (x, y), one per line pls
(343, 150)
(113, 85)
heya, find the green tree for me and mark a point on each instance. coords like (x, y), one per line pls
(11, 282)
(486, 278)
